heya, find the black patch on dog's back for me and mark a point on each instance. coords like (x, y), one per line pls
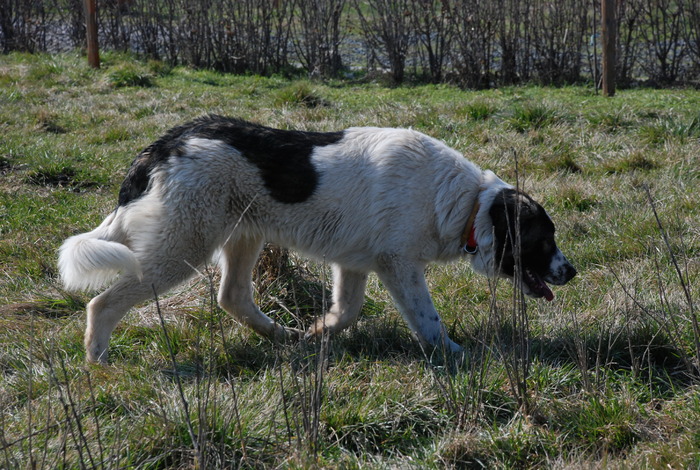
(137, 178)
(283, 157)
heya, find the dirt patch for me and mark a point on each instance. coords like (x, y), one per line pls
(42, 308)
(5, 165)
(53, 128)
(60, 177)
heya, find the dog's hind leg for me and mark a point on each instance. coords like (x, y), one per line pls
(406, 284)
(348, 296)
(238, 257)
(161, 271)
(105, 311)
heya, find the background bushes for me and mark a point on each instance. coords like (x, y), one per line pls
(474, 43)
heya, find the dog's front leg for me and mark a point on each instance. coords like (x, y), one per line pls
(406, 284)
(348, 295)
(237, 261)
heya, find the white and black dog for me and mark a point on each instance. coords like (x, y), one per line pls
(365, 199)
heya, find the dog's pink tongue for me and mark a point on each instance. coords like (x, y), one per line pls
(544, 289)
(548, 294)
(537, 285)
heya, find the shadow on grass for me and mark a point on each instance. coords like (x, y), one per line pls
(66, 306)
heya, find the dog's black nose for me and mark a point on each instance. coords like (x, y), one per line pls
(569, 273)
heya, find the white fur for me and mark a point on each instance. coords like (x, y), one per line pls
(90, 260)
(484, 262)
(388, 201)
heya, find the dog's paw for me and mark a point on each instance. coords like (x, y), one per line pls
(453, 347)
(317, 331)
(312, 334)
(314, 331)
(289, 335)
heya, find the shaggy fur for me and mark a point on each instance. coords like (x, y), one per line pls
(366, 199)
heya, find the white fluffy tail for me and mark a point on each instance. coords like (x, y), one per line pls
(90, 260)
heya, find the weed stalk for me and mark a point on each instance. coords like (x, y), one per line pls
(665, 316)
(517, 360)
(178, 382)
(683, 280)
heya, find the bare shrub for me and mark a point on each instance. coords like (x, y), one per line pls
(477, 25)
(435, 26)
(558, 31)
(387, 28)
(156, 31)
(663, 49)
(228, 35)
(318, 35)
(113, 25)
(691, 14)
(477, 43)
(253, 36)
(23, 26)
(628, 22)
(515, 41)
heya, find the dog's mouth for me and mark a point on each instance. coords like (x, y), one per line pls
(535, 285)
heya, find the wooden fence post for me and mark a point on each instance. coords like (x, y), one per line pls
(609, 30)
(93, 51)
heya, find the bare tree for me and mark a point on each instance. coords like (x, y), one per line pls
(514, 40)
(7, 28)
(478, 22)
(114, 25)
(434, 23)
(387, 27)
(558, 31)
(318, 36)
(663, 48)
(23, 26)
(482, 43)
(628, 25)
(252, 36)
(691, 15)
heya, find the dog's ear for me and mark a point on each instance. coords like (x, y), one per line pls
(510, 205)
(502, 212)
(526, 207)
(510, 209)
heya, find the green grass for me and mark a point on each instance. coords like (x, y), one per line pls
(610, 377)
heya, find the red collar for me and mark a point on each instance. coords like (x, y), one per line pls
(468, 240)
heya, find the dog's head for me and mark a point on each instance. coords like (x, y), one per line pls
(524, 244)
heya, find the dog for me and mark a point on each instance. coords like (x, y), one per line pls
(365, 199)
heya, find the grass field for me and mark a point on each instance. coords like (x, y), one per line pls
(606, 376)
